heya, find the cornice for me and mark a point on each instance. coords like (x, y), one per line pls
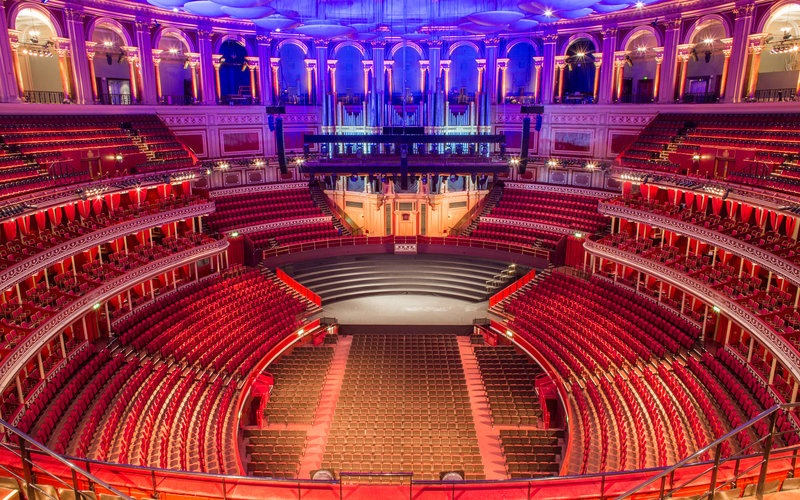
(767, 260)
(782, 350)
(527, 225)
(558, 189)
(257, 188)
(279, 224)
(42, 260)
(33, 343)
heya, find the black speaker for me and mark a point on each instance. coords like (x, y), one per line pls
(404, 173)
(533, 110)
(275, 110)
(523, 155)
(279, 145)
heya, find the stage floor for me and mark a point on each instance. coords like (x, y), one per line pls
(403, 309)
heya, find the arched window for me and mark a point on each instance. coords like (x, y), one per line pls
(112, 69)
(406, 76)
(349, 75)
(174, 72)
(292, 74)
(705, 65)
(234, 78)
(639, 72)
(579, 72)
(463, 75)
(38, 62)
(519, 77)
(779, 64)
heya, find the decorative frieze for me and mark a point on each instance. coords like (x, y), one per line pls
(280, 224)
(261, 188)
(550, 188)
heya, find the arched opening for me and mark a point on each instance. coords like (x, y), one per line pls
(706, 62)
(779, 64)
(234, 77)
(579, 72)
(175, 75)
(349, 75)
(463, 75)
(640, 69)
(294, 88)
(520, 73)
(39, 71)
(406, 82)
(112, 67)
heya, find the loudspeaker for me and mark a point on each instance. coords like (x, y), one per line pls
(523, 155)
(538, 125)
(279, 146)
(533, 110)
(275, 110)
(404, 172)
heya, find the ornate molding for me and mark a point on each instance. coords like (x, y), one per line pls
(47, 258)
(279, 224)
(733, 310)
(638, 120)
(34, 342)
(550, 188)
(528, 225)
(763, 258)
(260, 188)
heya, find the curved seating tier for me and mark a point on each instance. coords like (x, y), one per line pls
(346, 278)
(557, 209)
(242, 210)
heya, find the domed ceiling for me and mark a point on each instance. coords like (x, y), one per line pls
(411, 19)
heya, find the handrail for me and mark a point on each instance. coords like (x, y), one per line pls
(466, 220)
(47, 451)
(713, 445)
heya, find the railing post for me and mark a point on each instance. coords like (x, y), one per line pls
(27, 473)
(602, 487)
(712, 487)
(224, 489)
(155, 488)
(663, 484)
(78, 495)
(794, 462)
(762, 476)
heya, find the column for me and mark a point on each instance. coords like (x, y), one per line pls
(14, 44)
(561, 63)
(157, 71)
(9, 83)
(726, 51)
(331, 64)
(490, 81)
(387, 71)
(311, 65)
(755, 45)
(252, 65)
(274, 66)
(598, 63)
(146, 71)
(377, 85)
(445, 67)
(81, 80)
(194, 64)
(264, 69)
(216, 61)
(434, 54)
(502, 65)
(90, 46)
(659, 57)
(133, 61)
(206, 69)
(619, 67)
(368, 67)
(742, 26)
(549, 67)
(537, 78)
(684, 53)
(479, 95)
(666, 93)
(606, 92)
(320, 80)
(61, 46)
(424, 69)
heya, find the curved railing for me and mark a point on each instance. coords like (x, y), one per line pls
(780, 348)
(50, 256)
(16, 359)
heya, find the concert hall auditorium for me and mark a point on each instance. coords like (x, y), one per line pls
(399, 249)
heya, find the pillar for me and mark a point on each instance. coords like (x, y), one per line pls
(61, 46)
(90, 46)
(755, 45)
(18, 83)
(274, 66)
(147, 90)
(490, 81)
(737, 67)
(133, 62)
(252, 66)
(619, 67)
(157, 72)
(684, 53)
(659, 58)
(194, 65)
(206, 67)
(81, 79)
(9, 83)
(726, 51)
(216, 61)
(502, 65)
(598, 62)
(537, 78)
(266, 92)
(606, 92)
(560, 64)
(311, 65)
(548, 67)
(666, 92)
(368, 68)
(378, 89)
(434, 55)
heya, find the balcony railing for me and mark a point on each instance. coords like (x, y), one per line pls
(237, 100)
(177, 100)
(575, 98)
(700, 98)
(116, 99)
(44, 97)
(774, 95)
(636, 99)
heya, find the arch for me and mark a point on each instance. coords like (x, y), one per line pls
(235, 38)
(637, 32)
(776, 7)
(578, 36)
(349, 43)
(174, 33)
(705, 21)
(45, 13)
(405, 43)
(114, 25)
(511, 44)
(462, 43)
(276, 52)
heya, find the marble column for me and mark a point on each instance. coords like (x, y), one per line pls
(216, 61)
(434, 54)
(598, 64)
(13, 39)
(61, 46)
(549, 68)
(561, 63)
(659, 58)
(79, 62)
(756, 45)
(274, 66)
(157, 72)
(666, 92)
(207, 79)
(502, 65)
(606, 93)
(726, 52)
(252, 67)
(90, 53)
(146, 70)
(194, 67)
(737, 67)
(684, 53)
(490, 81)
(264, 69)
(537, 79)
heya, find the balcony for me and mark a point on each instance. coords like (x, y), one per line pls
(636, 99)
(774, 95)
(700, 98)
(177, 100)
(45, 97)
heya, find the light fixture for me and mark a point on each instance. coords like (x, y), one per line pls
(235, 234)
(695, 156)
(591, 165)
(579, 235)
(173, 50)
(301, 332)
(580, 54)
(716, 309)
(96, 306)
(278, 30)
(513, 161)
(509, 333)
(174, 9)
(108, 43)
(224, 166)
(118, 157)
(548, 13)
(709, 40)
(639, 4)
(642, 49)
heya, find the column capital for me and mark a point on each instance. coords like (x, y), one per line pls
(620, 57)
(274, 62)
(493, 42)
(435, 44)
(144, 24)
(742, 11)
(425, 65)
(609, 32)
(445, 64)
(13, 37)
(502, 62)
(755, 42)
(598, 59)
(203, 33)
(310, 63)
(194, 59)
(60, 44)
(561, 61)
(252, 62)
(157, 56)
(216, 60)
(538, 61)
(673, 24)
(481, 63)
(368, 64)
(263, 39)
(727, 46)
(685, 51)
(659, 54)
(74, 13)
(90, 49)
(331, 63)
(551, 38)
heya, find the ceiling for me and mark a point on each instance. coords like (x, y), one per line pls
(411, 19)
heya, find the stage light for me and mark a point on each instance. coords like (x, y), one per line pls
(108, 43)
(579, 235)
(208, 171)
(695, 156)
(513, 162)
(709, 40)
(548, 13)
(580, 54)
(639, 5)
(174, 9)
(591, 165)
(235, 234)
(301, 332)
(118, 157)
(96, 307)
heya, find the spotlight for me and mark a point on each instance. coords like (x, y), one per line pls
(354, 177)
(580, 54)
(548, 13)
(579, 235)
(591, 165)
(708, 40)
(234, 234)
(695, 156)
(639, 4)
(453, 178)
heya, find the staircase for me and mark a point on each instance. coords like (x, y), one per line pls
(311, 308)
(673, 145)
(137, 139)
(540, 276)
(501, 279)
(491, 200)
(322, 202)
